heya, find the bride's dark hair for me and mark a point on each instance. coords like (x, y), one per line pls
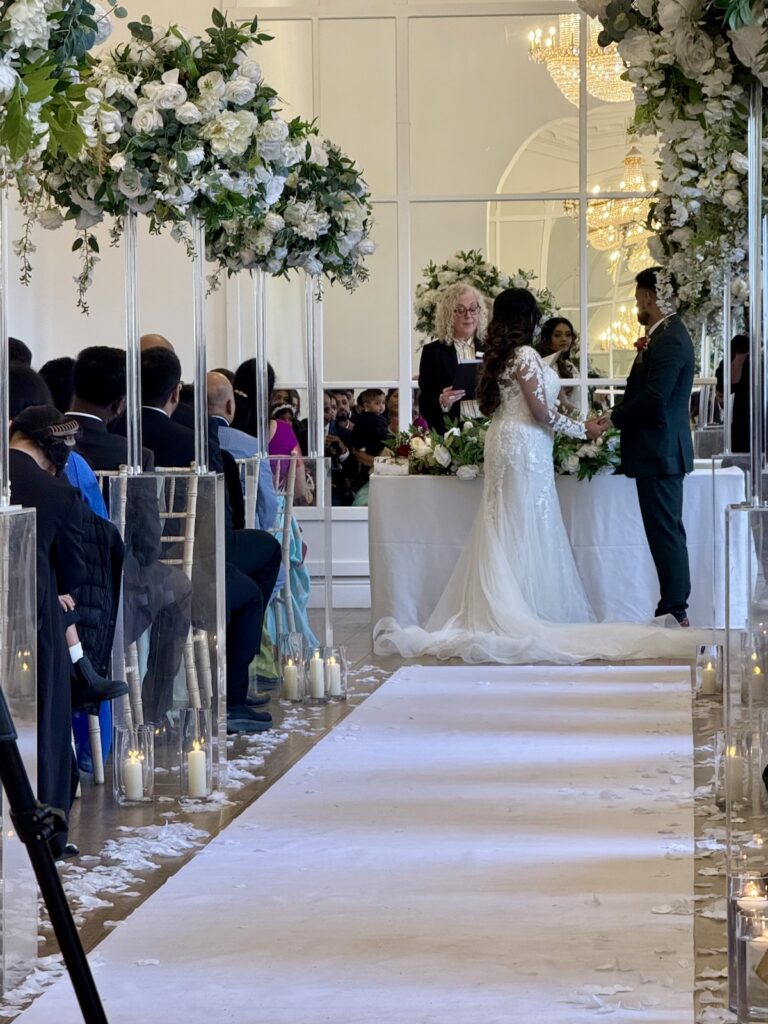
(515, 315)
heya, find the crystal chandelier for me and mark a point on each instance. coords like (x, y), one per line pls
(558, 51)
(623, 331)
(619, 226)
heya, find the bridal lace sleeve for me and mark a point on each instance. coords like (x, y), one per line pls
(529, 371)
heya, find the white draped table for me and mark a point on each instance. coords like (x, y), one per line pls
(418, 526)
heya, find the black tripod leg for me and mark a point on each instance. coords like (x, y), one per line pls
(34, 825)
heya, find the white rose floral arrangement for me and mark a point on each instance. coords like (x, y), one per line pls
(180, 127)
(320, 223)
(473, 268)
(586, 459)
(458, 452)
(692, 63)
(43, 44)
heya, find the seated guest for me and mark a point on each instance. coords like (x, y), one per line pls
(58, 374)
(221, 409)
(343, 416)
(40, 442)
(741, 440)
(18, 352)
(252, 556)
(156, 595)
(371, 430)
(392, 403)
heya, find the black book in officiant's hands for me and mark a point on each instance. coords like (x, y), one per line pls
(465, 377)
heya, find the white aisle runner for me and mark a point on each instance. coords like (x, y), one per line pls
(471, 846)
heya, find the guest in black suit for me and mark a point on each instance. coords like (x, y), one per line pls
(460, 325)
(252, 556)
(156, 595)
(58, 374)
(741, 384)
(656, 446)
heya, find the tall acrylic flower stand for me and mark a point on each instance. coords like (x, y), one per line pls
(171, 641)
(18, 653)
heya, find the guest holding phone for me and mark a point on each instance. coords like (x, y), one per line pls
(460, 325)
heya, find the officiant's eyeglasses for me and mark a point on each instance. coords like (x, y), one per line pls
(462, 310)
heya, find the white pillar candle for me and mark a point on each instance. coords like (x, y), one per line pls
(757, 972)
(757, 683)
(290, 680)
(334, 677)
(734, 775)
(133, 777)
(316, 676)
(709, 680)
(197, 781)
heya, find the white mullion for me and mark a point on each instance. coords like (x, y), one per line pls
(583, 239)
(403, 164)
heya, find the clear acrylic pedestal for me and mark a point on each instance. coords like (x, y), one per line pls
(170, 641)
(18, 656)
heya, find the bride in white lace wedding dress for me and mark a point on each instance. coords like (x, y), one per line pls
(515, 595)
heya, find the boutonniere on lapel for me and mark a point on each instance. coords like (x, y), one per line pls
(641, 344)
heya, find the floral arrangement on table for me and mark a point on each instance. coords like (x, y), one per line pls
(458, 452)
(585, 459)
(43, 44)
(181, 127)
(472, 267)
(692, 63)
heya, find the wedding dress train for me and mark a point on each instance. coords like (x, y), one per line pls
(515, 595)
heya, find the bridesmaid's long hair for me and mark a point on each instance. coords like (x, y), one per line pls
(515, 315)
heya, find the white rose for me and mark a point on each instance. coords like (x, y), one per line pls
(274, 222)
(117, 162)
(694, 49)
(570, 464)
(447, 276)
(50, 219)
(733, 199)
(129, 183)
(442, 456)
(366, 247)
(150, 90)
(188, 113)
(467, 472)
(147, 120)
(271, 135)
(170, 97)
(419, 447)
(239, 91)
(672, 12)
(29, 25)
(8, 79)
(318, 154)
(249, 68)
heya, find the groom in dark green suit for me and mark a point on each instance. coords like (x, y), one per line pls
(656, 447)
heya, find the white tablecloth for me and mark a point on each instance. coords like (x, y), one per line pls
(418, 526)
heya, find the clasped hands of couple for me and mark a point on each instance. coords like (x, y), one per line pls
(597, 427)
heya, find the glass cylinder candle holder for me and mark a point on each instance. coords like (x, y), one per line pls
(709, 670)
(292, 666)
(133, 773)
(195, 753)
(754, 680)
(752, 966)
(335, 659)
(747, 894)
(737, 764)
(316, 689)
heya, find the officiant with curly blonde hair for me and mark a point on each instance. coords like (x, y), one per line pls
(461, 322)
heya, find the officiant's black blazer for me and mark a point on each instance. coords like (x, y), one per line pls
(654, 415)
(437, 370)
